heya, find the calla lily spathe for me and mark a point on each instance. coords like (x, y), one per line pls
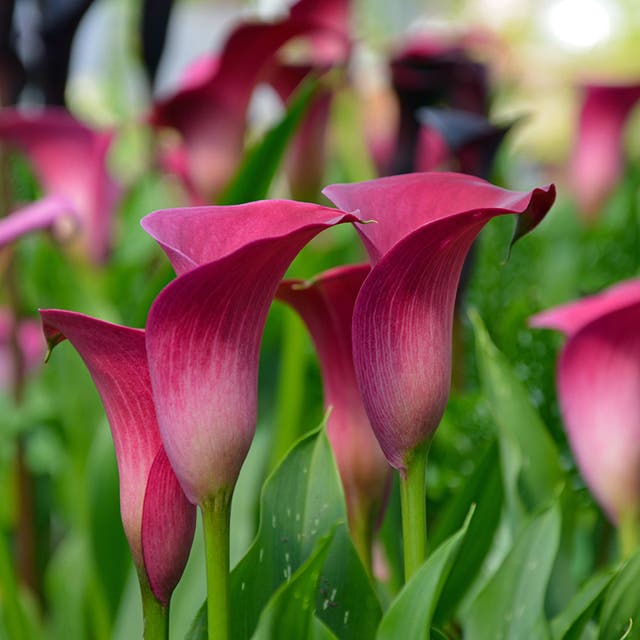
(326, 306)
(596, 164)
(204, 329)
(209, 109)
(70, 160)
(403, 315)
(158, 520)
(598, 383)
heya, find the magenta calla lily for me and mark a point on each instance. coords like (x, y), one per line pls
(158, 520)
(403, 314)
(326, 305)
(70, 160)
(52, 213)
(598, 381)
(597, 161)
(202, 340)
(209, 111)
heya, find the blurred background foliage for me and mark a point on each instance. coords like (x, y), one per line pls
(537, 53)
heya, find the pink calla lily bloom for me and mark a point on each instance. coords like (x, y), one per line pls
(158, 520)
(403, 315)
(598, 385)
(70, 160)
(209, 110)
(53, 213)
(326, 306)
(597, 161)
(204, 329)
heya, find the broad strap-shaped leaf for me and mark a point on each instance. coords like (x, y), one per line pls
(598, 381)
(511, 605)
(404, 313)
(409, 616)
(532, 473)
(326, 306)
(289, 613)
(570, 623)
(47, 213)
(116, 359)
(621, 608)
(204, 329)
(70, 160)
(301, 503)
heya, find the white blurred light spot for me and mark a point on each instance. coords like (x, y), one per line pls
(580, 24)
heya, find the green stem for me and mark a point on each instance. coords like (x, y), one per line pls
(629, 532)
(216, 514)
(414, 514)
(361, 529)
(154, 613)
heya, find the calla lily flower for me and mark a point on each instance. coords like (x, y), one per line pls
(158, 520)
(403, 315)
(54, 213)
(209, 110)
(597, 162)
(70, 160)
(598, 380)
(326, 305)
(205, 327)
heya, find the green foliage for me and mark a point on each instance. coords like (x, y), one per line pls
(301, 505)
(410, 615)
(511, 605)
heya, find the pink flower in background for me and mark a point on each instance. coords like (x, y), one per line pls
(403, 315)
(209, 110)
(326, 305)
(158, 520)
(52, 213)
(30, 344)
(70, 160)
(204, 329)
(598, 384)
(597, 163)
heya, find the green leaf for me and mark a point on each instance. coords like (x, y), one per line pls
(511, 605)
(621, 608)
(484, 489)
(346, 601)
(289, 613)
(254, 177)
(301, 503)
(532, 473)
(410, 614)
(570, 623)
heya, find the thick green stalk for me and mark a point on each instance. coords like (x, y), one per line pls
(361, 526)
(216, 514)
(629, 532)
(154, 613)
(414, 511)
